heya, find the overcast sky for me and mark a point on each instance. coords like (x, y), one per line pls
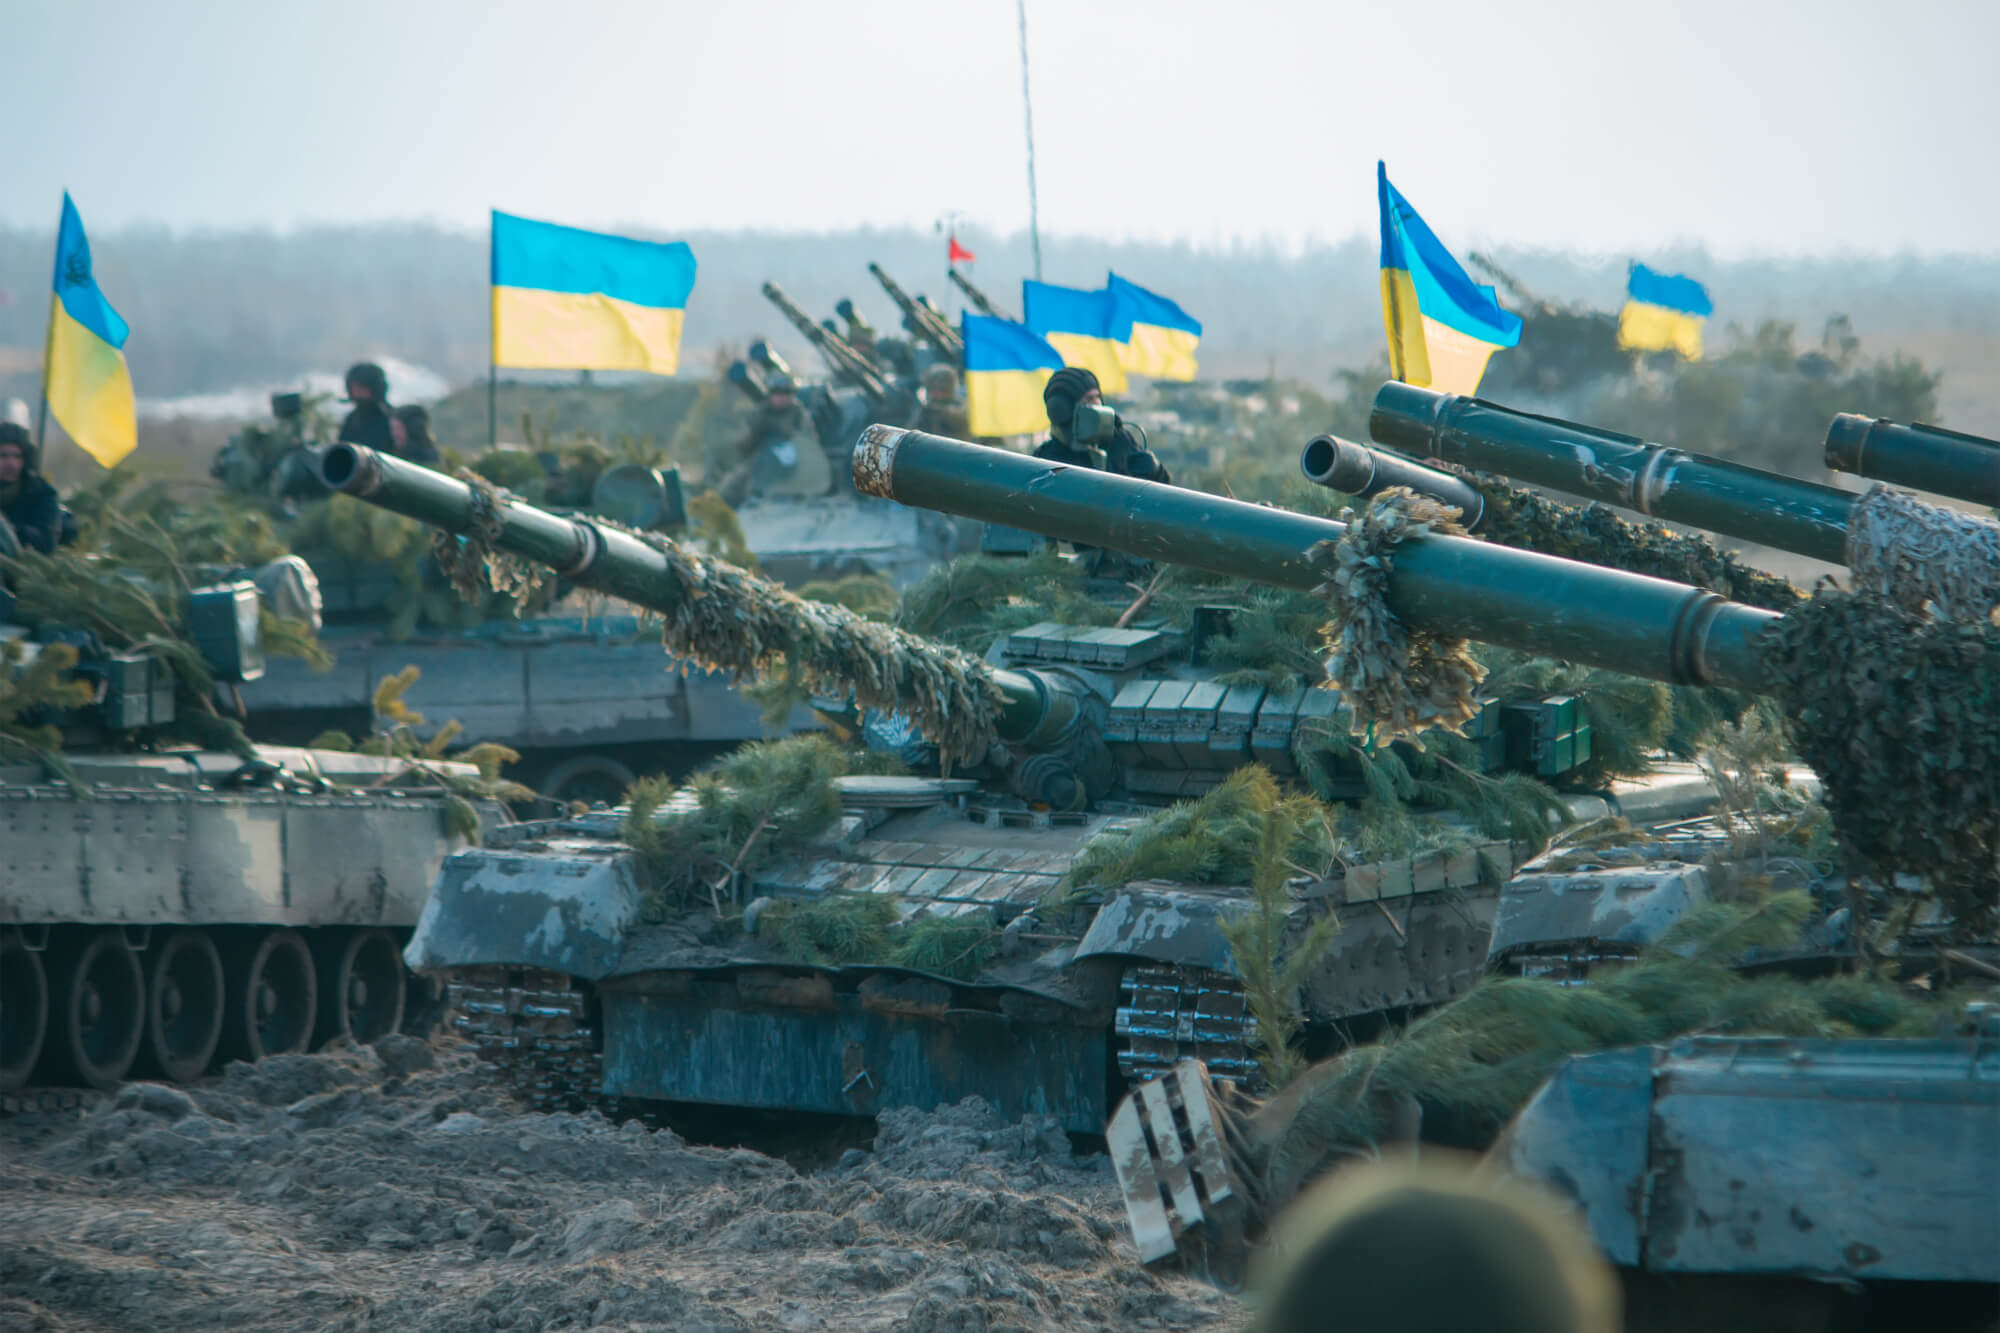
(1752, 127)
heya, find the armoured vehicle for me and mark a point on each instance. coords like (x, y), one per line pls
(559, 966)
(1563, 348)
(588, 701)
(807, 523)
(1929, 458)
(164, 904)
(1668, 1151)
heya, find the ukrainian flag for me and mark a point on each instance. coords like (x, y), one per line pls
(1442, 325)
(1077, 324)
(1158, 337)
(85, 378)
(1663, 310)
(1006, 369)
(565, 299)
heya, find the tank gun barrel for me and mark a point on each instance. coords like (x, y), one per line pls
(1925, 458)
(922, 321)
(745, 379)
(766, 357)
(1355, 469)
(841, 356)
(1038, 709)
(1743, 502)
(980, 301)
(1447, 585)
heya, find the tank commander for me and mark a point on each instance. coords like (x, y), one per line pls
(368, 423)
(29, 504)
(944, 411)
(780, 421)
(410, 431)
(1122, 450)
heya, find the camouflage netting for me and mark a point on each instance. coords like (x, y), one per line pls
(1593, 533)
(1900, 717)
(1398, 682)
(1477, 1060)
(471, 564)
(724, 618)
(1913, 553)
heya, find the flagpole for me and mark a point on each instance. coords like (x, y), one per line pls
(1028, 107)
(492, 347)
(49, 338)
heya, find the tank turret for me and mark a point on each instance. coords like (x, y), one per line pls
(1097, 727)
(1928, 458)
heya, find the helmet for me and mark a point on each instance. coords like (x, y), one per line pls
(780, 384)
(369, 376)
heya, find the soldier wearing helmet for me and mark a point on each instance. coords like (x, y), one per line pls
(30, 507)
(369, 422)
(780, 430)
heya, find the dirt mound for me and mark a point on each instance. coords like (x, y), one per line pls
(399, 1187)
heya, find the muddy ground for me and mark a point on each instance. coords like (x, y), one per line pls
(398, 1187)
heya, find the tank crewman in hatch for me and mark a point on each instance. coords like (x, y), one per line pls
(368, 423)
(780, 420)
(944, 411)
(410, 431)
(1123, 451)
(31, 506)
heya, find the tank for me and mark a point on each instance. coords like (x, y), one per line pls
(589, 702)
(820, 529)
(1666, 1149)
(1743, 502)
(164, 905)
(1927, 458)
(1564, 349)
(554, 963)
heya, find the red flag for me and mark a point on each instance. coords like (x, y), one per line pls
(959, 254)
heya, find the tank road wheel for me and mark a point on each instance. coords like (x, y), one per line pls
(24, 1010)
(273, 994)
(99, 1010)
(184, 989)
(361, 985)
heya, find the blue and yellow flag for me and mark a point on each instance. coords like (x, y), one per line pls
(1006, 369)
(86, 380)
(1663, 310)
(1157, 337)
(1442, 325)
(1077, 324)
(565, 299)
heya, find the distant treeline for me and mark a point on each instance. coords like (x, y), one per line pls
(219, 310)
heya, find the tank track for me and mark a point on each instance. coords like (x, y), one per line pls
(1169, 1014)
(533, 1027)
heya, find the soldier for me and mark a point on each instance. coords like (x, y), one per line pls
(368, 424)
(1125, 453)
(1431, 1248)
(944, 412)
(780, 420)
(28, 504)
(410, 431)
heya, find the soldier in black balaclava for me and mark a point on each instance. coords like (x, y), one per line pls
(1125, 453)
(368, 424)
